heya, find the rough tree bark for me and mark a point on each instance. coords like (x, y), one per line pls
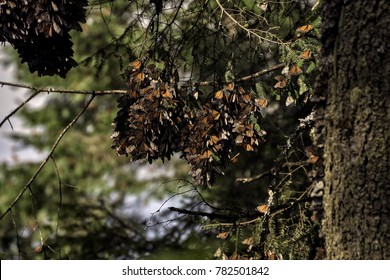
(353, 120)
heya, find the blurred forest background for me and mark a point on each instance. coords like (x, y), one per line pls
(89, 203)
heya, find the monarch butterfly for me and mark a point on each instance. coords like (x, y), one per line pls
(214, 139)
(140, 77)
(305, 28)
(281, 84)
(248, 241)
(249, 148)
(136, 64)
(167, 94)
(313, 159)
(306, 55)
(295, 71)
(230, 86)
(241, 90)
(263, 208)
(282, 81)
(219, 94)
(206, 154)
(215, 114)
(239, 139)
(247, 97)
(223, 235)
(261, 102)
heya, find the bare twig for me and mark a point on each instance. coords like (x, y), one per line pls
(28, 185)
(35, 93)
(34, 209)
(252, 179)
(233, 224)
(17, 235)
(59, 192)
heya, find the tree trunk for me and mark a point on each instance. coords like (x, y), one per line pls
(353, 97)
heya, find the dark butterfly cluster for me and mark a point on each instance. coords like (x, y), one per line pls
(149, 120)
(39, 31)
(156, 119)
(225, 122)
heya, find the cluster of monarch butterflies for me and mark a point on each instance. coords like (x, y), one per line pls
(294, 70)
(39, 31)
(157, 119)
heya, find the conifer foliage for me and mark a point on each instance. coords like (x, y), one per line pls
(39, 31)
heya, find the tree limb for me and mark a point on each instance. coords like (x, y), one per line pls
(69, 91)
